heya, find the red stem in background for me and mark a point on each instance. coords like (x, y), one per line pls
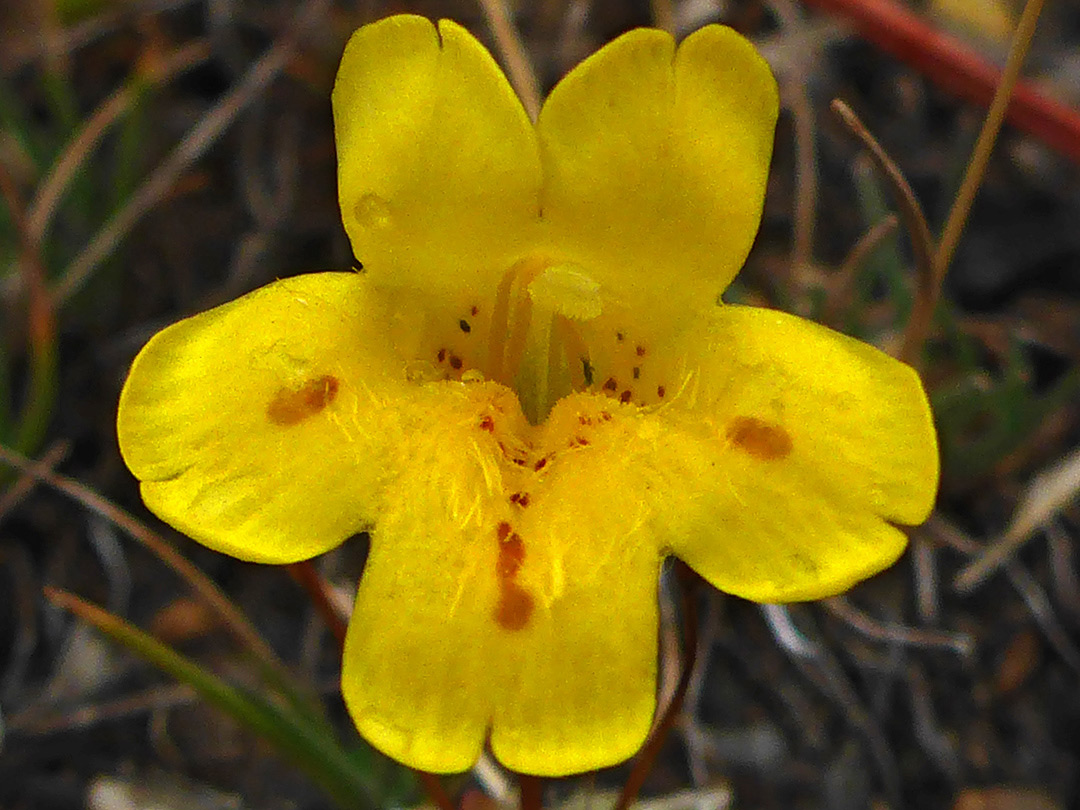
(646, 758)
(308, 578)
(957, 69)
(532, 792)
(435, 790)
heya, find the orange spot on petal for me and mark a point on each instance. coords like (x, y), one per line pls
(511, 556)
(289, 407)
(514, 608)
(761, 439)
(515, 605)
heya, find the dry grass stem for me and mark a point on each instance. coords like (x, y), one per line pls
(39, 723)
(1033, 595)
(958, 68)
(1047, 494)
(50, 191)
(230, 615)
(960, 643)
(663, 15)
(40, 317)
(512, 50)
(927, 580)
(319, 593)
(843, 281)
(995, 117)
(796, 94)
(928, 285)
(18, 50)
(24, 484)
(194, 144)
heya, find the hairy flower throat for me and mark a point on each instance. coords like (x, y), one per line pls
(528, 337)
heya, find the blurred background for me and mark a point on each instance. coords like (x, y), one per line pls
(159, 157)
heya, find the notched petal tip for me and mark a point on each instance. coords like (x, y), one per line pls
(658, 189)
(438, 167)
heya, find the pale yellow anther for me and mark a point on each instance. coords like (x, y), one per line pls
(566, 289)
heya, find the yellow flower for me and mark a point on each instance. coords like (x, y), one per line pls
(532, 394)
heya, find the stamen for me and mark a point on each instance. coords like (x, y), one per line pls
(507, 345)
(567, 289)
(500, 315)
(518, 338)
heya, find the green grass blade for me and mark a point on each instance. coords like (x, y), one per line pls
(306, 746)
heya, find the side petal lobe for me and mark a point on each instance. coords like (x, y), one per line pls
(253, 427)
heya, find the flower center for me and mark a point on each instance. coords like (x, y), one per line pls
(548, 331)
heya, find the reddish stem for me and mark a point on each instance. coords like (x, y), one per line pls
(435, 790)
(645, 760)
(308, 578)
(532, 792)
(957, 69)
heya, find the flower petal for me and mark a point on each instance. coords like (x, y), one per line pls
(807, 445)
(655, 162)
(438, 167)
(775, 462)
(252, 427)
(490, 605)
(583, 691)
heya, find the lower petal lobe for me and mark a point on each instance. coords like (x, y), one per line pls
(501, 602)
